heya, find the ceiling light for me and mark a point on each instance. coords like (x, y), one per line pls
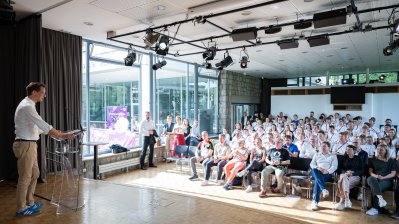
(382, 77)
(131, 57)
(329, 18)
(207, 65)
(392, 47)
(225, 62)
(159, 8)
(88, 23)
(162, 47)
(318, 41)
(209, 54)
(396, 28)
(244, 62)
(288, 44)
(150, 38)
(159, 65)
(249, 33)
(246, 13)
(272, 30)
(303, 25)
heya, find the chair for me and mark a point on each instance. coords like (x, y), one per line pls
(299, 169)
(181, 150)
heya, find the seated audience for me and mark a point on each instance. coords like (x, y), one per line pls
(276, 162)
(203, 153)
(382, 170)
(323, 165)
(351, 170)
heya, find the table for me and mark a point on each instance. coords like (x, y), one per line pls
(95, 167)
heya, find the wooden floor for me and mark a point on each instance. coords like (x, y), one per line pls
(165, 195)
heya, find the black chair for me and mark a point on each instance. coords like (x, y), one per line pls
(299, 169)
(180, 150)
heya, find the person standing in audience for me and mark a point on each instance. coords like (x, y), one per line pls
(238, 161)
(323, 165)
(28, 127)
(203, 153)
(340, 147)
(178, 130)
(276, 162)
(147, 128)
(219, 159)
(187, 132)
(257, 158)
(351, 169)
(382, 170)
(245, 118)
(195, 133)
(167, 132)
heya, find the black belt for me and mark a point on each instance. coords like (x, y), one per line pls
(25, 140)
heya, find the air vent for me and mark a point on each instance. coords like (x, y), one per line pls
(354, 107)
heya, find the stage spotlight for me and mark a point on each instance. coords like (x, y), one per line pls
(207, 65)
(225, 62)
(209, 54)
(244, 62)
(318, 80)
(162, 47)
(392, 47)
(159, 65)
(347, 81)
(396, 28)
(382, 77)
(150, 38)
(131, 57)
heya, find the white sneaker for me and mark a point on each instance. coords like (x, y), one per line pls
(372, 212)
(360, 196)
(381, 202)
(220, 182)
(205, 183)
(314, 206)
(340, 206)
(249, 189)
(325, 193)
(348, 203)
(242, 173)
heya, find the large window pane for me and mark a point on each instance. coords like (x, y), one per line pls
(208, 101)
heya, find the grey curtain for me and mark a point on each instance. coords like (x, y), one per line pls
(61, 71)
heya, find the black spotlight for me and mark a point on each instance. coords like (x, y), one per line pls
(318, 80)
(396, 28)
(244, 62)
(131, 57)
(391, 48)
(224, 63)
(159, 65)
(150, 38)
(207, 65)
(382, 77)
(209, 54)
(162, 47)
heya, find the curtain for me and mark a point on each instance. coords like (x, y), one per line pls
(61, 71)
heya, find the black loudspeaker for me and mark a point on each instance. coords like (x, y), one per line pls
(249, 33)
(318, 41)
(288, 44)
(330, 18)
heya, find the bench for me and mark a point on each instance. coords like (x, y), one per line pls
(126, 163)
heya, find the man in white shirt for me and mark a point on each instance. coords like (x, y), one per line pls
(340, 147)
(195, 133)
(147, 128)
(28, 127)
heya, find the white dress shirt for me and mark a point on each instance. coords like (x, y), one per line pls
(327, 161)
(28, 123)
(146, 126)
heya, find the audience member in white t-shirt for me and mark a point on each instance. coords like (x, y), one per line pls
(309, 148)
(341, 126)
(369, 147)
(341, 145)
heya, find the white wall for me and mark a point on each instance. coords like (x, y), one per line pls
(378, 105)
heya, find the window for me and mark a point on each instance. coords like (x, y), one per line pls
(208, 101)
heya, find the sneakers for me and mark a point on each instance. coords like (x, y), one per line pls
(228, 186)
(395, 215)
(340, 206)
(325, 193)
(205, 183)
(27, 211)
(193, 177)
(262, 194)
(242, 173)
(220, 182)
(348, 203)
(360, 196)
(381, 202)
(249, 189)
(314, 206)
(372, 212)
(275, 191)
(36, 205)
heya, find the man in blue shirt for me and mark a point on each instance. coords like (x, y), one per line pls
(292, 148)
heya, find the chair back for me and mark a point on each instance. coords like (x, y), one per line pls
(181, 150)
(191, 150)
(300, 164)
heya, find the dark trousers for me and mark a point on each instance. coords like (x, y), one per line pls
(208, 168)
(144, 151)
(397, 195)
(253, 166)
(319, 183)
(377, 188)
